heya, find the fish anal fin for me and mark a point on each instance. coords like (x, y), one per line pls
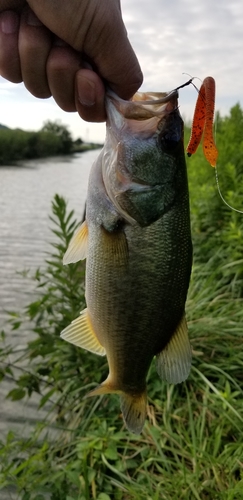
(107, 387)
(174, 361)
(80, 333)
(78, 246)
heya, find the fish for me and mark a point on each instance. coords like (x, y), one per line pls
(137, 243)
(202, 124)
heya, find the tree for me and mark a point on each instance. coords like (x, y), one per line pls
(59, 130)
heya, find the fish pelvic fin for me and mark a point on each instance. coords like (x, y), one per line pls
(133, 406)
(81, 333)
(78, 246)
(174, 361)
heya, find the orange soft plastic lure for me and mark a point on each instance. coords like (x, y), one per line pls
(202, 124)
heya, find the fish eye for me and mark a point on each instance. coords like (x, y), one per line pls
(171, 133)
(169, 142)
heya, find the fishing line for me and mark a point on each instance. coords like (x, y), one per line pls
(221, 196)
(191, 82)
(217, 183)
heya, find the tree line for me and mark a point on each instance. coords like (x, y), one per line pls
(53, 139)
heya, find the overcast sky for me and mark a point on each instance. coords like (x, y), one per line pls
(170, 37)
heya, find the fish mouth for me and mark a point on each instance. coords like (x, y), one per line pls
(140, 132)
(155, 106)
(142, 114)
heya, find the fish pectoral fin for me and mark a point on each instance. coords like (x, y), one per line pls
(78, 246)
(115, 248)
(80, 333)
(174, 361)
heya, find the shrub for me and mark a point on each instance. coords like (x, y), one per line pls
(192, 443)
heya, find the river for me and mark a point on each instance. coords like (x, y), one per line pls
(26, 193)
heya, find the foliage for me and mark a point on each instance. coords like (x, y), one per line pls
(60, 131)
(192, 444)
(53, 139)
(217, 229)
(19, 144)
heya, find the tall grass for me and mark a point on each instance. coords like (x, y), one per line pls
(192, 443)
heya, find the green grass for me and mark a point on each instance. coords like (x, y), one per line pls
(192, 444)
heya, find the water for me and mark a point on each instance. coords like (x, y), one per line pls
(26, 192)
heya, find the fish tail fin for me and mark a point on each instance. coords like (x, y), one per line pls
(133, 407)
(105, 388)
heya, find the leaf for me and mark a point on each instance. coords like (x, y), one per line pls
(3, 335)
(73, 477)
(111, 453)
(103, 496)
(46, 397)
(16, 394)
(16, 325)
(91, 475)
(26, 496)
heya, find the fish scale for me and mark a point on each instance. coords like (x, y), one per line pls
(137, 242)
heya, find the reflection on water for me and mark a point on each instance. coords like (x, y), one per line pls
(26, 192)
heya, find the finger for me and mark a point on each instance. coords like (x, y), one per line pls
(99, 32)
(62, 65)
(90, 96)
(9, 53)
(34, 47)
(115, 60)
(12, 5)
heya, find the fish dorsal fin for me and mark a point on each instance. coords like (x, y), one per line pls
(78, 246)
(174, 361)
(80, 333)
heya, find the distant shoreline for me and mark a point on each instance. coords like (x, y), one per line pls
(53, 139)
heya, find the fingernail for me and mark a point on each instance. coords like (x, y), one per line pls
(9, 22)
(86, 92)
(32, 19)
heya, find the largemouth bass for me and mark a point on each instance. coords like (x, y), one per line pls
(137, 242)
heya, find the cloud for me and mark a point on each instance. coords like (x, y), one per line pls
(19, 109)
(199, 38)
(170, 38)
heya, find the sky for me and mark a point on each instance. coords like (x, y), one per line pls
(170, 37)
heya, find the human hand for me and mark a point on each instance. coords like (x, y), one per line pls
(69, 50)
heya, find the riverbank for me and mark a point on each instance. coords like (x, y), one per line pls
(52, 140)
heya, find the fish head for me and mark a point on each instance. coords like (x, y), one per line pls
(143, 153)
